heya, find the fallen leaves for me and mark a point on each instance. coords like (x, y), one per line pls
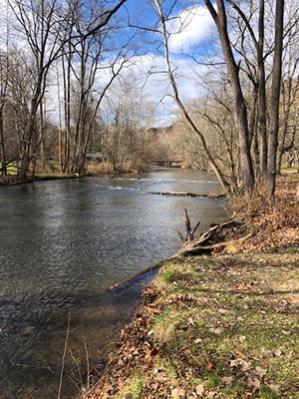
(198, 341)
(275, 388)
(240, 363)
(199, 390)
(260, 372)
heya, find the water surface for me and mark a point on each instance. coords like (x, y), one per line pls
(62, 244)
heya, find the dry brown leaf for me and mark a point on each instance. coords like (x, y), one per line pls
(216, 331)
(245, 366)
(210, 365)
(227, 380)
(178, 392)
(277, 352)
(275, 388)
(200, 390)
(260, 372)
(242, 338)
(254, 382)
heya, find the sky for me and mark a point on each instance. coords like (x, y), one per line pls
(192, 31)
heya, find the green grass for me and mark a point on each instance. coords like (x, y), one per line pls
(230, 324)
(216, 327)
(133, 388)
(11, 169)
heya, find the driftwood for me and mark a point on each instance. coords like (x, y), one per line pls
(187, 194)
(202, 249)
(208, 241)
(190, 233)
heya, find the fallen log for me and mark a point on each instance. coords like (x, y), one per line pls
(202, 249)
(187, 194)
(209, 240)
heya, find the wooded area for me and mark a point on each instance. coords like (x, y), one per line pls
(244, 128)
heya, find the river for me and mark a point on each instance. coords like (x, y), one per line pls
(62, 244)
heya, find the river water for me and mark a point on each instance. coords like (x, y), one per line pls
(62, 244)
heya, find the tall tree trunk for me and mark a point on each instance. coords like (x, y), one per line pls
(240, 110)
(66, 69)
(3, 157)
(275, 94)
(262, 105)
(42, 135)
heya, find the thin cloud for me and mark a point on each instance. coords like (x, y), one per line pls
(190, 27)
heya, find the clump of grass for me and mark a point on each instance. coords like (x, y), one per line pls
(133, 388)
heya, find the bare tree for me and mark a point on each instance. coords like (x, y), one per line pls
(4, 76)
(42, 23)
(289, 87)
(268, 135)
(240, 110)
(47, 26)
(275, 95)
(163, 18)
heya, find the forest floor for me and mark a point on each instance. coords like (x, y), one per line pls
(221, 326)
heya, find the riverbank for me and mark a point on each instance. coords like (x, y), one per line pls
(13, 181)
(93, 169)
(219, 327)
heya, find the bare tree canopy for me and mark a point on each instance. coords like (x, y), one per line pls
(245, 70)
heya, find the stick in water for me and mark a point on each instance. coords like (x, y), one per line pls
(64, 355)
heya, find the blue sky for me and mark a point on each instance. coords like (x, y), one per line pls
(190, 15)
(196, 39)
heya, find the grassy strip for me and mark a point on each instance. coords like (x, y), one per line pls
(221, 327)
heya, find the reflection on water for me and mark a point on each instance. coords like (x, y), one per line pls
(63, 243)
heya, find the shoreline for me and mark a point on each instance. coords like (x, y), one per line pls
(133, 173)
(175, 326)
(38, 179)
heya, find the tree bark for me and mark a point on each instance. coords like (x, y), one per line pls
(275, 95)
(262, 105)
(240, 110)
(3, 157)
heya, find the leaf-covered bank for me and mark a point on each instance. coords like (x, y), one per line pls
(221, 327)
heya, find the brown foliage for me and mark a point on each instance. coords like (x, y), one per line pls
(275, 224)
